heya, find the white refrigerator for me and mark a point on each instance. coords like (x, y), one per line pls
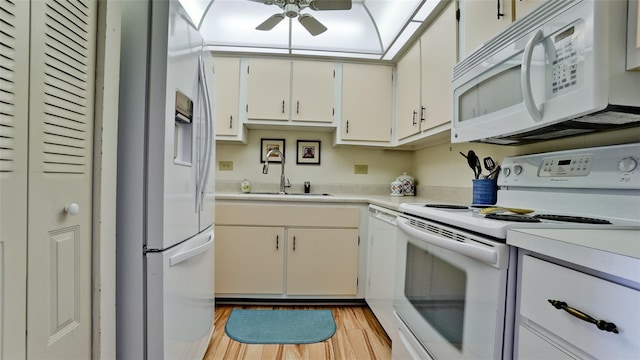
(165, 200)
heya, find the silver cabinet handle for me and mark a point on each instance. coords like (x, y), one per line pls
(230, 121)
(414, 122)
(277, 242)
(294, 243)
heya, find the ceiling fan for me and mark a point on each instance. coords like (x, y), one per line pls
(292, 9)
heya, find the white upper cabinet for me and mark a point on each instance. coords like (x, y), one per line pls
(284, 90)
(523, 7)
(312, 91)
(633, 36)
(438, 54)
(408, 106)
(423, 84)
(226, 96)
(269, 85)
(480, 20)
(366, 104)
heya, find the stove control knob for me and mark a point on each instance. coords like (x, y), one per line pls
(517, 169)
(627, 164)
(506, 171)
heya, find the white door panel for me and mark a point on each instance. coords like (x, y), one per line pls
(180, 300)
(14, 126)
(172, 159)
(61, 91)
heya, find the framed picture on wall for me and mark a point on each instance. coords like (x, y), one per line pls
(308, 152)
(269, 144)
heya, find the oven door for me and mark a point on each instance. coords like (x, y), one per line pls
(450, 290)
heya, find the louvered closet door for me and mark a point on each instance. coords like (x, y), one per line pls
(14, 78)
(61, 110)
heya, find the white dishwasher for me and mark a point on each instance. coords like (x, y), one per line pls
(381, 261)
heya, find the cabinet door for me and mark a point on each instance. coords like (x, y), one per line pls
(226, 95)
(438, 46)
(312, 91)
(269, 84)
(523, 7)
(322, 261)
(366, 102)
(249, 260)
(633, 36)
(408, 93)
(479, 22)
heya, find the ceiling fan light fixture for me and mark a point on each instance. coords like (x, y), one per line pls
(313, 26)
(291, 10)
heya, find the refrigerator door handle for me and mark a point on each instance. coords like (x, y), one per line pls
(188, 254)
(209, 133)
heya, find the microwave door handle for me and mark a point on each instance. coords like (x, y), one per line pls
(473, 251)
(525, 77)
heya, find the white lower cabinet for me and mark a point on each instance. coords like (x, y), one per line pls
(569, 330)
(322, 262)
(272, 250)
(249, 259)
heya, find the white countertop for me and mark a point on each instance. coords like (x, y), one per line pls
(387, 201)
(613, 251)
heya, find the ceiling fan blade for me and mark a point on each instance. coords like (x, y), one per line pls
(330, 5)
(313, 26)
(271, 22)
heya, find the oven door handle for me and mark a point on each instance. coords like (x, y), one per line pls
(473, 251)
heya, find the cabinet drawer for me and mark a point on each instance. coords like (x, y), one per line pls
(601, 299)
(287, 215)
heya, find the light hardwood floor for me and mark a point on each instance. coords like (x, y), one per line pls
(358, 336)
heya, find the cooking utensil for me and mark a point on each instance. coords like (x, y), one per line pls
(496, 210)
(494, 174)
(474, 163)
(489, 164)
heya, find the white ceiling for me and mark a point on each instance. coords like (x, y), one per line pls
(372, 29)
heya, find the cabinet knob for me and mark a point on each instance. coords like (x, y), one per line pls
(72, 209)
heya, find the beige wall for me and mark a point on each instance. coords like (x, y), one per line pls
(442, 165)
(437, 166)
(336, 163)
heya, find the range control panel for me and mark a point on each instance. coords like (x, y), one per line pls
(606, 167)
(574, 165)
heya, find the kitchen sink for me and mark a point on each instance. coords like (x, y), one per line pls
(292, 193)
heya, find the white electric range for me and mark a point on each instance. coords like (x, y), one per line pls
(455, 293)
(593, 184)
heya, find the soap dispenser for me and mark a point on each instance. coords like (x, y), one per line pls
(245, 186)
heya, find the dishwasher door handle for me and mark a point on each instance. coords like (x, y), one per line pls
(477, 252)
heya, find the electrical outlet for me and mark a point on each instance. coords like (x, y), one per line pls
(225, 165)
(360, 169)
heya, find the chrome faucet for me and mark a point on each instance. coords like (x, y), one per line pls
(265, 167)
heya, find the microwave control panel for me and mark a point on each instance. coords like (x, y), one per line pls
(566, 58)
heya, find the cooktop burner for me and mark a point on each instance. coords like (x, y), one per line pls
(512, 217)
(447, 206)
(574, 219)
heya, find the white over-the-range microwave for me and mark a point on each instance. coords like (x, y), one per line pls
(559, 71)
